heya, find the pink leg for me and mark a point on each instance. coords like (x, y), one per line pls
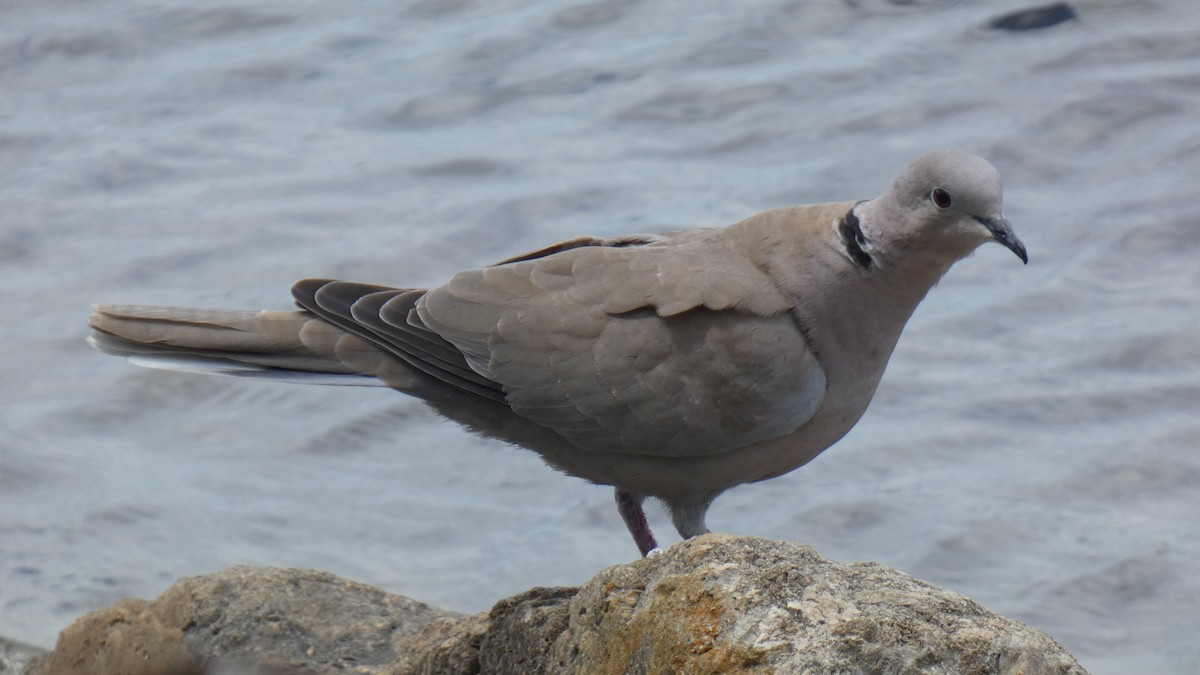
(630, 507)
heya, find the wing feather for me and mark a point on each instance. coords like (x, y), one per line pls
(337, 302)
(636, 349)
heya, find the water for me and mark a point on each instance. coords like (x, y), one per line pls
(1033, 444)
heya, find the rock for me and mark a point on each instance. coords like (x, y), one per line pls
(718, 604)
(15, 656)
(713, 604)
(289, 621)
(1034, 18)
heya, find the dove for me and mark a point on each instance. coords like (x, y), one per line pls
(669, 366)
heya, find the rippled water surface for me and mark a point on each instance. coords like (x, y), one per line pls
(1035, 443)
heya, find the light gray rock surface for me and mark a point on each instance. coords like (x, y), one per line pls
(15, 656)
(713, 604)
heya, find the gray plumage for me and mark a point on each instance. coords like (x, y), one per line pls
(672, 366)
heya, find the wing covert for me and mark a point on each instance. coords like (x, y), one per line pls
(635, 349)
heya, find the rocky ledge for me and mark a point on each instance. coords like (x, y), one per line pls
(714, 604)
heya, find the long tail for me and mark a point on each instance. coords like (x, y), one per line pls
(291, 345)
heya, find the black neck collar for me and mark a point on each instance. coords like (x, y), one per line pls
(852, 238)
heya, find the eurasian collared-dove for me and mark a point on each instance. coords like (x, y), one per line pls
(670, 366)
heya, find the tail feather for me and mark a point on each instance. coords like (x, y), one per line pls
(219, 340)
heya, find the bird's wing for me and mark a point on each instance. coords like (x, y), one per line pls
(364, 310)
(676, 348)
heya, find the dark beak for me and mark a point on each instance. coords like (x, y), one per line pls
(1003, 233)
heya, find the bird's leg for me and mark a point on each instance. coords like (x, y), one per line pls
(630, 507)
(689, 517)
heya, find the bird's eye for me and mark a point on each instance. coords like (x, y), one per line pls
(941, 198)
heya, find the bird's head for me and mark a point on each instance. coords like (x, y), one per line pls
(951, 202)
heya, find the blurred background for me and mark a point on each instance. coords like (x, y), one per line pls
(1035, 443)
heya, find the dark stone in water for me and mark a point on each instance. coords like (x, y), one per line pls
(1034, 18)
